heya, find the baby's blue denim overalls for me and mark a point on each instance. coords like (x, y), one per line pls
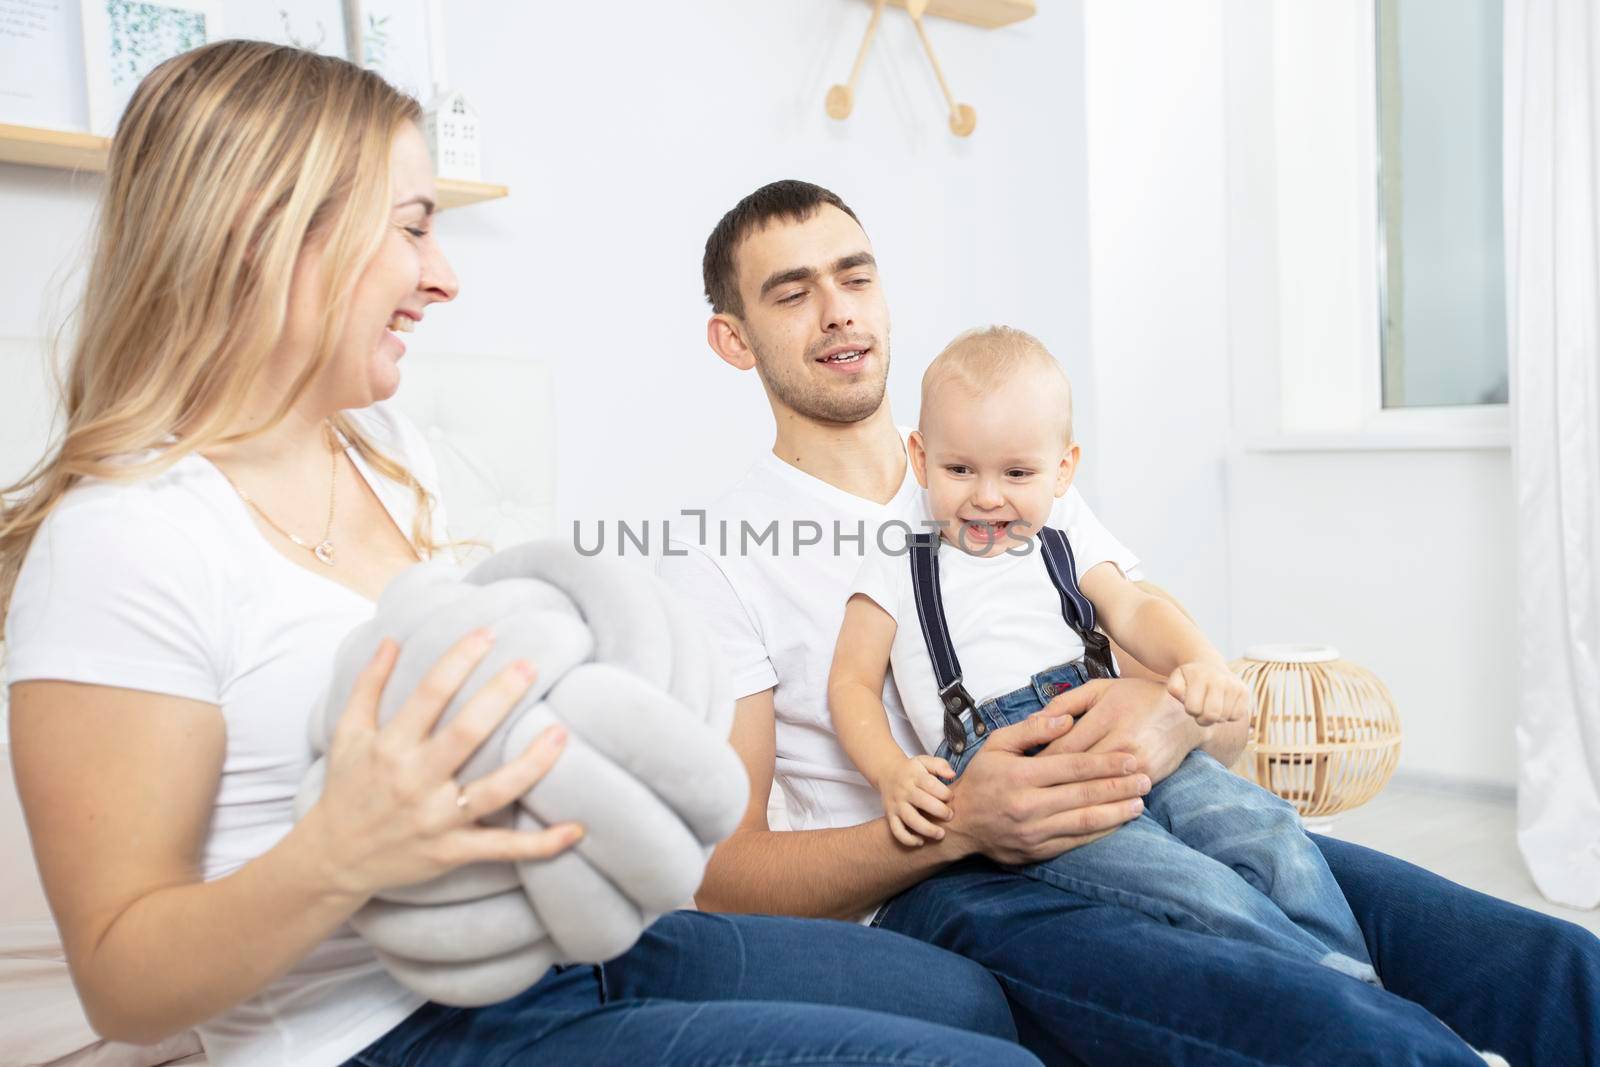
(1212, 852)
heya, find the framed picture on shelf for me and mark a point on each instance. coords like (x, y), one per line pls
(315, 25)
(391, 37)
(41, 64)
(123, 40)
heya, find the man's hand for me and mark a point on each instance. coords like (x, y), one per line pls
(913, 797)
(1017, 809)
(1210, 692)
(1126, 715)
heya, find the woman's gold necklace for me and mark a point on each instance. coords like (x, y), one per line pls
(323, 549)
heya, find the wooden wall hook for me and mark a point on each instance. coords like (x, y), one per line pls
(963, 119)
(842, 98)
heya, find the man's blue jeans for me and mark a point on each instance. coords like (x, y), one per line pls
(726, 990)
(1091, 982)
(1212, 852)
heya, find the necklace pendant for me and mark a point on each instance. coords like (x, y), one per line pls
(324, 553)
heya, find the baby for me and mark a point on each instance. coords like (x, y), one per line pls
(1000, 605)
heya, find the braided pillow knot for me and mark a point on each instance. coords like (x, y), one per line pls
(647, 769)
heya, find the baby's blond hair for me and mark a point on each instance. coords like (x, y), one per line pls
(984, 358)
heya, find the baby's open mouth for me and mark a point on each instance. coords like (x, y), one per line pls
(987, 528)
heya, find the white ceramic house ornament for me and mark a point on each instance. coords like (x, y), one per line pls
(451, 126)
(449, 122)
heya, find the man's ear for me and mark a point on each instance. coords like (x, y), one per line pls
(919, 457)
(1068, 468)
(725, 335)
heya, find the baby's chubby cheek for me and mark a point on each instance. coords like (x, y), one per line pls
(1034, 511)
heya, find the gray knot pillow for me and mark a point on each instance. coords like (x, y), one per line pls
(647, 768)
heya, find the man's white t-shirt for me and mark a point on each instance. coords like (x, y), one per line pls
(776, 604)
(1003, 613)
(167, 585)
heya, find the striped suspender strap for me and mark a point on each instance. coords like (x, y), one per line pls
(924, 556)
(1075, 607)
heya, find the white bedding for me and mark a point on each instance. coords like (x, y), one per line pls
(45, 1024)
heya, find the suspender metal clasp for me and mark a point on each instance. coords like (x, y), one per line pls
(957, 701)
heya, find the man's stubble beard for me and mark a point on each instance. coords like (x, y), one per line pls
(848, 401)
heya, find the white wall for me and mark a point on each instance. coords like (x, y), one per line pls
(1157, 273)
(626, 130)
(1202, 233)
(1403, 561)
(626, 140)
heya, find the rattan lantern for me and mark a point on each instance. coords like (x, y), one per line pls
(1325, 735)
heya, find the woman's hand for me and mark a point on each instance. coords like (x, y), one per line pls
(391, 813)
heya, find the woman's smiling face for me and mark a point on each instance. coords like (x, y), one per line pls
(407, 273)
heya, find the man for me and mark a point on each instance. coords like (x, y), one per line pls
(796, 296)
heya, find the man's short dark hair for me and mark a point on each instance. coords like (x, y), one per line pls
(788, 199)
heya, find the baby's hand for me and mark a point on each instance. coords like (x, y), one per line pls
(1210, 692)
(912, 796)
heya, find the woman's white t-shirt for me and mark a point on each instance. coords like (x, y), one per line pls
(167, 585)
(1003, 612)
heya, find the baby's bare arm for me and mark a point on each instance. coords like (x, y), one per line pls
(1155, 631)
(855, 689)
(1163, 638)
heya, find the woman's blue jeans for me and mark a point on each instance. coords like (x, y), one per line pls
(1212, 852)
(725, 990)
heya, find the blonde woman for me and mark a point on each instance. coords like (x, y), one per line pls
(229, 496)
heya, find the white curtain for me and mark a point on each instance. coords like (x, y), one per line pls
(1552, 197)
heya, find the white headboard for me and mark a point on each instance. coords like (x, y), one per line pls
(490, 420)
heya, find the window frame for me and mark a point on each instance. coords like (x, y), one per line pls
(1305, 190)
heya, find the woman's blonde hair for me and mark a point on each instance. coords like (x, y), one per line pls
(228, 162)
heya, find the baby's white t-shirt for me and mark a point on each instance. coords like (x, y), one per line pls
(775, 606)
(1003, 612)
(167, 585)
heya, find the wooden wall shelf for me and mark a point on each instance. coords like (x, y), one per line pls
(455, 192)
(37, 147)
(64, 150)
(986, 13)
